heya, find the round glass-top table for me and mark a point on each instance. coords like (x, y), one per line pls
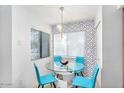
(65, 72)
(70, 67)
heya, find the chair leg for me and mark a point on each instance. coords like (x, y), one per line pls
(38, 85)
(54, 85)
(76, 86)
(77, 74)
(42, 86)
(57, 75)
(82, 74)
(74, 74)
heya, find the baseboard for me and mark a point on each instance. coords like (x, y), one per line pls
(5, 85)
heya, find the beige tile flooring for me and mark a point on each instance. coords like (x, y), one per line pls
(68, 85)
(49, 86)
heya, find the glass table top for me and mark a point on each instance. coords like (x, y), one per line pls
(70, 67)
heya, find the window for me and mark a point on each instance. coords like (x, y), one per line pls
(40, 47)
(72, 44)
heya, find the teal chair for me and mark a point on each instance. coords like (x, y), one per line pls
(57, 60)
(86, 82)
(80, 60)
(46, 79)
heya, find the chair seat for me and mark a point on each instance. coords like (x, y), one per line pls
(77, 71)
(47, 79)
(82, 82)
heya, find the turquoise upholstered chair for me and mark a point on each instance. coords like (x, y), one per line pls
(86, 82)
(46, 79)
(80, 60)
(57, 60)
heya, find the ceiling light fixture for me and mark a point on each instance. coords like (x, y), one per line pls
(62, 25)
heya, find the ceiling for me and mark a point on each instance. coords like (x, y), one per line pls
(50, 14)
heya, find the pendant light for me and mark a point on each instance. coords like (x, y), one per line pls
(62, 25)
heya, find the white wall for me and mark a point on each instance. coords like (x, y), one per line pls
(98, 20)
(5, 45)
(112, 47)
(23, 73)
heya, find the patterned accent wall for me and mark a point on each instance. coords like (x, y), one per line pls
(90, 43)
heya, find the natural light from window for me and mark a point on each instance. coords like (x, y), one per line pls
(71, 45)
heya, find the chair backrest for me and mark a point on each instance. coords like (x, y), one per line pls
(57, 58)
(80, 60)
(94, 75)
(37, 73)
